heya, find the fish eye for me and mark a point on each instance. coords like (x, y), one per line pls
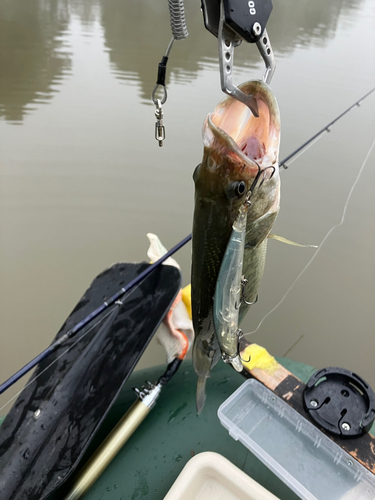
(239, 188)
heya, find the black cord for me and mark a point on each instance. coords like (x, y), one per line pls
(170, 371)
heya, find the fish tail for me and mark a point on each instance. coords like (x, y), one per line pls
(201, 394)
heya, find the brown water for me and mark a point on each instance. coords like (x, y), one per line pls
(83, 179)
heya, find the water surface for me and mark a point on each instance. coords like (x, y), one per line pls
(82, 179)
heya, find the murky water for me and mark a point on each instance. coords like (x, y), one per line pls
(83, 179)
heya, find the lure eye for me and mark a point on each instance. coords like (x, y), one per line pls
(240, 188)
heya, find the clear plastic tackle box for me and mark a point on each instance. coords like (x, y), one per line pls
(304, 458)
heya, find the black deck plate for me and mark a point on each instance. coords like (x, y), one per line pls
(76, 392)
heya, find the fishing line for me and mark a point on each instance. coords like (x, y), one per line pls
(118, 303)
(300, 153)
(87, 319)
(293, 345)
(297, 153)
(323, 241)
(304, 148)
(58, 357)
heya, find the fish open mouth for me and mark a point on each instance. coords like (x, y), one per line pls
(255, 138)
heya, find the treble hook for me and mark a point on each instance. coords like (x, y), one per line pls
(257, 177)
(240, 336)
(270, 177)
(228, 359)
(244, 283)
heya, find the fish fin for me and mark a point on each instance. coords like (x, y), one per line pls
(201, 394)
(289, 242)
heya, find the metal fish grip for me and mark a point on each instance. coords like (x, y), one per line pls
(233, 21)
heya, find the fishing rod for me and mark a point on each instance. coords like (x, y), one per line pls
(112, 444)
(94, 314)
(324, 129)
(43, 355)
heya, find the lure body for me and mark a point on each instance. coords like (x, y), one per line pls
(228, 289)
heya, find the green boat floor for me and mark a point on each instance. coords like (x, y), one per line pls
(172, 433)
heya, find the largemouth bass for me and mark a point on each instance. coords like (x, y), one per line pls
(238, 148)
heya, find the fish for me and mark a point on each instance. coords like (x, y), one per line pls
(239, 149)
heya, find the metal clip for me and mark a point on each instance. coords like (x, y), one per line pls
(159, 126)
(228, 40)
(148, 394)
(226, 52)
(265, 49)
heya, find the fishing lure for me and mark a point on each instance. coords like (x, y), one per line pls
(228, 293)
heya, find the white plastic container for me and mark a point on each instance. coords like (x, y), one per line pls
(210, 476)
(304, 458)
